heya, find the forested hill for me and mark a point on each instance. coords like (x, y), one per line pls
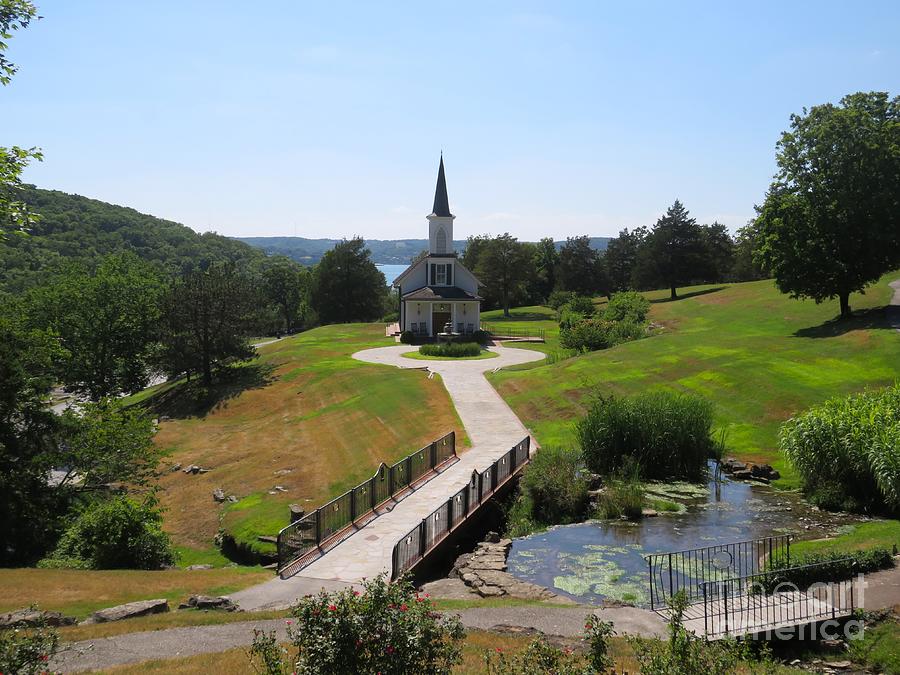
(75, 228)
(384, 251)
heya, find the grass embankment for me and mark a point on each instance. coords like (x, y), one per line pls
(305, 416)
(863, 537)
(755, 353)
(79, 592)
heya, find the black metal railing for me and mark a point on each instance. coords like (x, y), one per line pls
(501, 331)
(687, 570)
(302, 540)
(434, 528)
(770, 600)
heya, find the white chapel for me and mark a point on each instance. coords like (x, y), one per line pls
(437, 292)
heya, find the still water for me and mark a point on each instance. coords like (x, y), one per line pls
(391, 272)
(601, 561)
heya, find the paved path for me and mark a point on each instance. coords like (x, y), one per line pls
(894, 308)
(190, 641)
(493, 429)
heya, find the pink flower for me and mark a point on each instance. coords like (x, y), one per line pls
(389, 650)
(332, 608)
(403, 607)
(289, 622)
(498, 650)
(356, 593)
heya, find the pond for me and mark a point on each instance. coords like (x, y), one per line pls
(601, 562)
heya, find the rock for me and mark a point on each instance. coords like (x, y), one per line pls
(492, 537)
(595, 481)
(449, 589)
(176, 467)
(131, 610)
(282, 472)
(649, 513)
(490, 591)
(840, 665)
(199, 567)
(833, 645)
(297, 512)
(764, 471)
(593, 494)
(34, 617)
(231, 499)
(280, 488)
(219, 495)
(731, 465)
(265, 538)
(742, 474)
(202, 470)
(211, 602)
(191, 468)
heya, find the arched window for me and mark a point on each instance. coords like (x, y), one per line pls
(441, 241)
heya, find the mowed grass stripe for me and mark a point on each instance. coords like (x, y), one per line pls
(757, 354)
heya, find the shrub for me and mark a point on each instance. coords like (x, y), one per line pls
(665, 433)
(481, 336)
(407, 337)
(837, 566)
(26, 651)
(846, 450)
(579, 304)
(558, 298)
(623, 496)
(628, 306)
(453, 349)
(626, 331)
(387, 628)
(588, 335)
(115, 533)
(553, 485)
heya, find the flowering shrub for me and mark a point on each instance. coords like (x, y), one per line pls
(27, 651)
(387, 628)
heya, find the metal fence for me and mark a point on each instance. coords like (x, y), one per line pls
(502, 331)
(688, 570)
(442, 521)
(773, 600)
(299, 542)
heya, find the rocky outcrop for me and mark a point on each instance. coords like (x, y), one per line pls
(484, 571)
(222, 602)
(739, 470)
(33, 617)
(129, 611)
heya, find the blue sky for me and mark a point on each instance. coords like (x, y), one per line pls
(325, 119)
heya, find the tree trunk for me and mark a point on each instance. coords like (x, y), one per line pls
(845, 305)
(674, 295)
(506, 309)
(207, 370)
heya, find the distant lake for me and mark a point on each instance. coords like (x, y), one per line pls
(391, 272)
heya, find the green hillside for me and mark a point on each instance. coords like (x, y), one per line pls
(757, 354)
(75, 228)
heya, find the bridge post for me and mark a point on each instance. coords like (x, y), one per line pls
(433, 455)
(493, 476)
(725, 598)
(372, 496)
(318, 526)
(352, 506)
(424, 528)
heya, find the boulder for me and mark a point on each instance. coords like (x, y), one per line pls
(33, 617)
(649, 513)
(176, 467)
(297, 512)
(492, 537)
(742, 474)
(731, 465)
(131, 610)
(219, 495)
(222, 602)
(191, 468)
(764, 471)
(199, 567)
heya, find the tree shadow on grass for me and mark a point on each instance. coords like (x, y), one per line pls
(195, 399)
(692, 294)
(864, 319)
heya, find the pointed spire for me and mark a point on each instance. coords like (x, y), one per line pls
(441, 202)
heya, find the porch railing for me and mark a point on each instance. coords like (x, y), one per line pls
(301, 541)
(500, 330)
(435, 527)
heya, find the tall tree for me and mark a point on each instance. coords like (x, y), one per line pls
(207, 316)
(347, 286)
(830, 223)
(578, 267)
(503, 267)
(546, 259)
(719, 252)
(14, 214)
(674, 250)
(746, 267)
(621, 257)
(285, 284)
(106, 321)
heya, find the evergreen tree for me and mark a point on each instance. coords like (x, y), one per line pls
(673, 254)
(578, 268)
(503, 268)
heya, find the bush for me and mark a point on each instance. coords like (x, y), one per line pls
(588, 335)
(568, 319)
(407, 337)
(558, 298)
(388, 628)
(481, 336)
(837, 566)
(452, 349)
(626, 331)
(846, 450)
(628, 306)
(665, 434)
(116, 533)
(579, 304)
(623, 496)
(554, 487)
(26, 651)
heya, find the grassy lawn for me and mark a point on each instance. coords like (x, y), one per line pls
(422, 357)
(304, 416)
(528, 318)
(883, 533)
(79, 592)
(757, 354)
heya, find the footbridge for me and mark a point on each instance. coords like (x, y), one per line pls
(391, 522)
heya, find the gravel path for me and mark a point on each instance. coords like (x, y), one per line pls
(190, 641)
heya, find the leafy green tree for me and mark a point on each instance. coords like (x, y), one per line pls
(503, 267)
(830, 223)
(621, 258)
(106, 320)
(347, 286)
(546, 259)
(719, 252)
(14, 214)
(578, 267)
(207, 316)
(674, 251)
(285, 284)
(746, 267)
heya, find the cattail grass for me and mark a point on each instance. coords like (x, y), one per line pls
(666, 434)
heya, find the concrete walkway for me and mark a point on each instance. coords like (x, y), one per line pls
(894, 307)
(493, 429)
(189, 641)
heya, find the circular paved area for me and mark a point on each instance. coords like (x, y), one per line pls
(507, 356)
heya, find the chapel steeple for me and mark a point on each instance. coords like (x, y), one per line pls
(440, 220)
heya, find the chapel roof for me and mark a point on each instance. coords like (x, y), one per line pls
(440, 293)
(441, 206)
